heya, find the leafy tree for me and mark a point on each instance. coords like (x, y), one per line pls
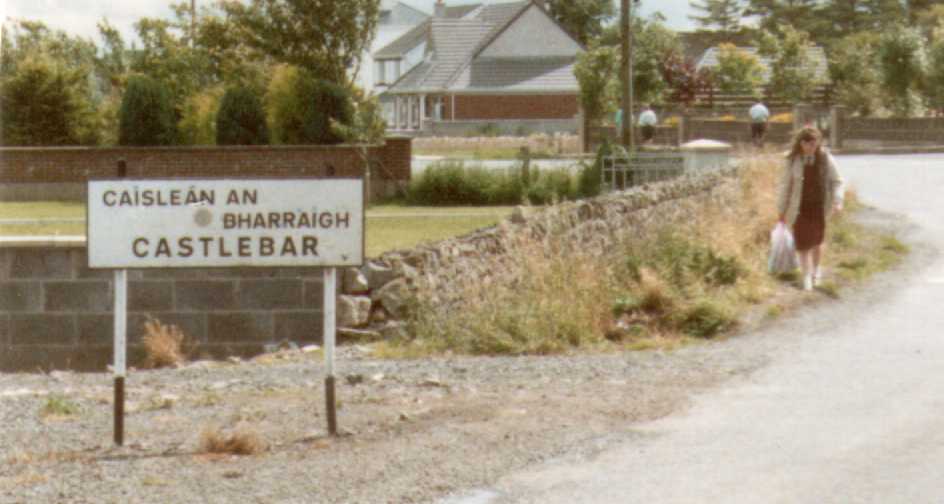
(934, 82)
(241, 119)
(62, 69)
(197, 125)
(853, 72)
(171, 60)
(723, 15)
(653, 44)
(596, 71)
(583, 18)
(42, 105)
(930, 20)
(367, 127)
(218, 36)
(301, 107)
(684, 81)
(32, 38)
(792, 70)
(324, 37)
(844, 17)
(882, 14)
(738, 71)
(901, 60)
(146, 116)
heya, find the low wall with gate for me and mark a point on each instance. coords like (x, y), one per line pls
(838, 127)
(921, 130)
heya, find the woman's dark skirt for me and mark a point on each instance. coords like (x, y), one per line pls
(810, 226)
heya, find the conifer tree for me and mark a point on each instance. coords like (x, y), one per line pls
(723, 15)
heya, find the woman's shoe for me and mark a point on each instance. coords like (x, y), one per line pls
(807, 282)
(817, 277)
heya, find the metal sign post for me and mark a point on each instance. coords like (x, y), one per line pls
(330, 291)
(121, 326)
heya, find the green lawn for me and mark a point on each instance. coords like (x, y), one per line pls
(389, 227)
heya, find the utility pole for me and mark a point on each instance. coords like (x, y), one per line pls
(626, 71)
(193, 23)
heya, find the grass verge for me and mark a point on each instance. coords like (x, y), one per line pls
(680, 284)
(389, 227)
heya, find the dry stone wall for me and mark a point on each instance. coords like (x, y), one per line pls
(442, 271)
(55, 312)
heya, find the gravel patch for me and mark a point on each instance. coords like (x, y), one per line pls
(412, 430)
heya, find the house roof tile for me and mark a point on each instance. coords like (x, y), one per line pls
(551, 74)
(419, 33)
(453, 43)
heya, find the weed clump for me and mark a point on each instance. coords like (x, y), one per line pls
(59, 406)
(239, 442)
(705, 319)
(163, 344)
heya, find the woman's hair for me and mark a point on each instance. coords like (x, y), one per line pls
(806, 133)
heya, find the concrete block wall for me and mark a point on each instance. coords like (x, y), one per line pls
(57, 313)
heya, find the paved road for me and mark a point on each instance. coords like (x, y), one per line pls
(850, 407)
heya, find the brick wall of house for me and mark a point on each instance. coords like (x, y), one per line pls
(70, 165)
(470, 107)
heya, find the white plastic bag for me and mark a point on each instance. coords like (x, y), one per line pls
(782, 252)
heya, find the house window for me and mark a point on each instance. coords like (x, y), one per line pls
(379, 78)
(389, 113)
(435, 109)
(404, 113)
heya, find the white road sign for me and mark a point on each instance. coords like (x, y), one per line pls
(214, 223)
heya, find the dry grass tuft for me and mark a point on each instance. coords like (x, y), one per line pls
(654, 293)
(163, 344)
(241, 441)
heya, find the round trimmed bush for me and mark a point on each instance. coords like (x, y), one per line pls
(241, 119)
(147, 115)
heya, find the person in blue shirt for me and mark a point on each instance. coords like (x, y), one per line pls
(759, 116)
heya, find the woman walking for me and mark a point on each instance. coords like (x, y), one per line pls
(810, 189)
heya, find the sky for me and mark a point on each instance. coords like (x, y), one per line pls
(79, 17)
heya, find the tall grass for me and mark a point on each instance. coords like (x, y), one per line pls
(452, 183)
(690, 280)
(163, 344)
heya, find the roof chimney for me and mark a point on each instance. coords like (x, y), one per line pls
(439, 10)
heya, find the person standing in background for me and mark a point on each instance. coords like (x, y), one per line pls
(647, 124)
(759, 117)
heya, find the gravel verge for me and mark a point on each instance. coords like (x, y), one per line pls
(412, 431)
